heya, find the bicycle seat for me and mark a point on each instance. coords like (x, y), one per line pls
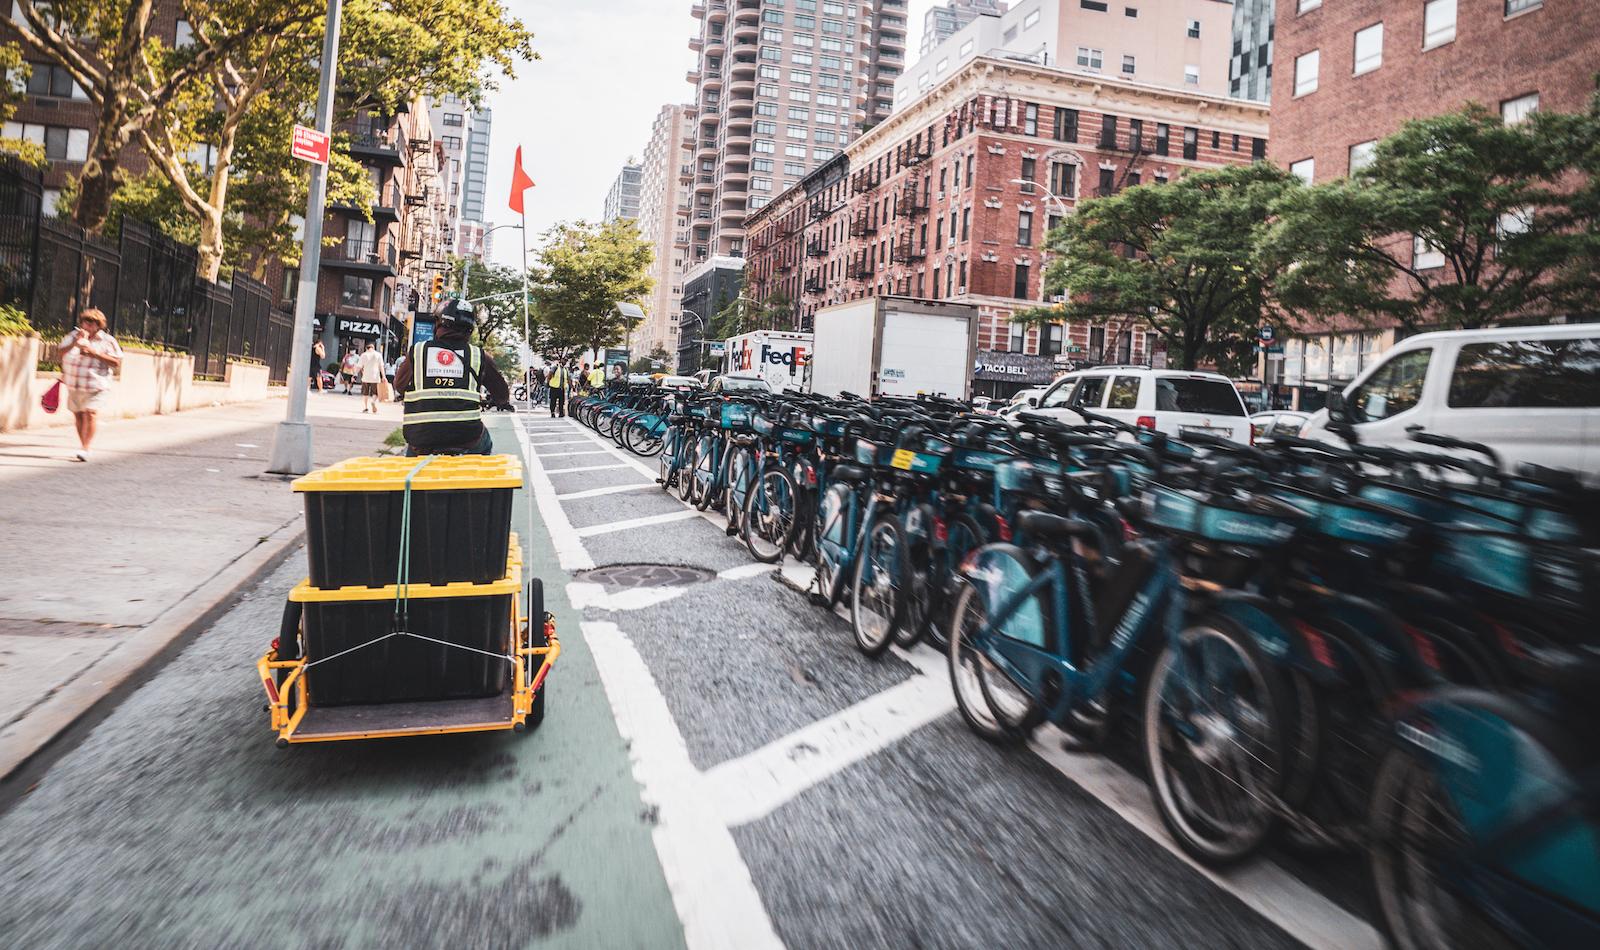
(851, 474)
(1044, 525)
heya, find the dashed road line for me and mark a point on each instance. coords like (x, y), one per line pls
(606, 490)
(611, 527)
(583, 468)
(562, 455)
(570, 552)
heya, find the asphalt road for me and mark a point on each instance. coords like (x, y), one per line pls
(719, 768)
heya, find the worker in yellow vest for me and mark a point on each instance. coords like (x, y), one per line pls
(558, 390)
(597, 378)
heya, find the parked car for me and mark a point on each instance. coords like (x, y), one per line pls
(1028, 398)
(985, 405)
(1171, 401)
(1530, 393)
(679, 382)
(1264, 426)
(740, 383)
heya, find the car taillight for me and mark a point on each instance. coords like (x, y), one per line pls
(1145, 422)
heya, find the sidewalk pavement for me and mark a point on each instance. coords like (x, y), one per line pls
(111, 562)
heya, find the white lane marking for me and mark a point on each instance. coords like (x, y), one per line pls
(560, 455)
(717, 901)
(570, 551)
(750, 788)
(631, 523)
(562, 441)
(610, 448)
(1264, 887)
(582, 468)
(742, 571)
(606, 490)
(582, 594)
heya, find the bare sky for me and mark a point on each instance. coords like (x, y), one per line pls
(580, 112)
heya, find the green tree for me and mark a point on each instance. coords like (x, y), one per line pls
(1177, 257)
(744, 315)
(584, 270)
(1459, 221)
(496, 290)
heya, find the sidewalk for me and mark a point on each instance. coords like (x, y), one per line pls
(112, 561)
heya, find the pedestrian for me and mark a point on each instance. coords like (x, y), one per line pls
(558, 391)
(89, 360)
(350, 369)
(318, 354)
(597, 378)
(370, 366)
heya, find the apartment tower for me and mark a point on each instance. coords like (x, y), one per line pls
(780, 87)
(1250, 64)
(944, 20)
(668, 171)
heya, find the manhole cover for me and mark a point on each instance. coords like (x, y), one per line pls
(623, 576)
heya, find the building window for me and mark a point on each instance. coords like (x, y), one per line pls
(1130, 12)
(1089, 58)
(1191, 143)
(966, 224)
(1108, 182)
(1066, 126)
(1019, 332)
(1030, 119)
(1061, 179)
(1305, 72)
(452, 142)
(453, 119)
(291, 285)
(1025, 228)
(1362, 154)
(1108, 131)
(1424, 255)
(1305, 169)
(1305, 5)
(1127, 65)
(1191, 75)
(1438, 23)
(1051, 339)
(1517, 6)
(1029, 171)
(1033, 18)
(53, 81)
(1194, 29)
(61, 144)
(356, 292)
(1513, 111)
(1099, 6)
(1369, 49)
(1258, 149)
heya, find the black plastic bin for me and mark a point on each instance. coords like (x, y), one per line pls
(406, 669)
(460, 520)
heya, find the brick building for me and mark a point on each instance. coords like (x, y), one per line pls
(929, 203)
(1350, 72)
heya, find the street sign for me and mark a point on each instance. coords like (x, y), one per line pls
(435, 265)
(309, 145)
(1268, 333)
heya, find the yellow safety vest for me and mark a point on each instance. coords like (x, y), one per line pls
(558, 379)
(444, 384)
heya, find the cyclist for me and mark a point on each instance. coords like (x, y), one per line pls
(440, 379)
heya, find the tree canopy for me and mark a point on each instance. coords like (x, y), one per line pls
(584, 270)
(1177, 257)
(1459, 221)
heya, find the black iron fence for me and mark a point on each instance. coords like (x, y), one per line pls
(145, 283)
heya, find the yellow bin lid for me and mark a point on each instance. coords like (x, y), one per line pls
(304, 593)
(442, 472)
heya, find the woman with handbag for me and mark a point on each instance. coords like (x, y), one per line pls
(89, 360)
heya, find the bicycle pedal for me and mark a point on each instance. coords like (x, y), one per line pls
(730, 531)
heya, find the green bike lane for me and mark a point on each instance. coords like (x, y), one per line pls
(177, 822)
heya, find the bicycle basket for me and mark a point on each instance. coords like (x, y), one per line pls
(761, 425)
(918, 463)
(827, 428)
(872, 453)
(735, 415)
(978, 461)
(794, 436)
(1233, 524)
(700, 412)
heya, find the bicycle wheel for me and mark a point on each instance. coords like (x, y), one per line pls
(1214, 741)
(686, 480)
(667, 461)
(993, 706)
(642, 440)
(877, 596)
(707, 469)
(737, 491)
(1419, 848)
(769, 516)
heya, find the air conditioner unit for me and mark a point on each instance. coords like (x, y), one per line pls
(961, 289)
(1058, 298)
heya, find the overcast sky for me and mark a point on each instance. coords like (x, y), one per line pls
(580, 112)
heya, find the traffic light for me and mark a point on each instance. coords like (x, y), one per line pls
(438, 287)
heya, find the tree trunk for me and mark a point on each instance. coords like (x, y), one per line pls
(97, 181)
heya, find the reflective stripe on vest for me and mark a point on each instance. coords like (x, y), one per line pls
(429, 401)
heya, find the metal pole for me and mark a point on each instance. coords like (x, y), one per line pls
(527, 344)
(291, 444)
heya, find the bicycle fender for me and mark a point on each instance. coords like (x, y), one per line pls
(1275, 632)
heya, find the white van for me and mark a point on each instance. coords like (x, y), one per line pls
(1530, 393)
(1170, 401)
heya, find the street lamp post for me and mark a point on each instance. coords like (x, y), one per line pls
(291, 444)
(703, 328)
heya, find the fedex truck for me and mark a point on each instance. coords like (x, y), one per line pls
(779, 356)
(895, 346)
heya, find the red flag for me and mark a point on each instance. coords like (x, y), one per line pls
(520, 182)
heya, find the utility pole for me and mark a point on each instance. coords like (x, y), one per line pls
(291, 444)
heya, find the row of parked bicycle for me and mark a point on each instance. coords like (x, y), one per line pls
(1392, 652)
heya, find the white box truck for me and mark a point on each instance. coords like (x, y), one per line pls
(779, 356)
(895, 346)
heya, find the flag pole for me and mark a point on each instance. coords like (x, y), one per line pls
(527, 342)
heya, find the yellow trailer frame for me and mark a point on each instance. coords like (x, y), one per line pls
(288, 705)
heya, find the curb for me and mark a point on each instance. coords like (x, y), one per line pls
(44, 733)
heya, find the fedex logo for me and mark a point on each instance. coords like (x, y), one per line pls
(793, 356)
